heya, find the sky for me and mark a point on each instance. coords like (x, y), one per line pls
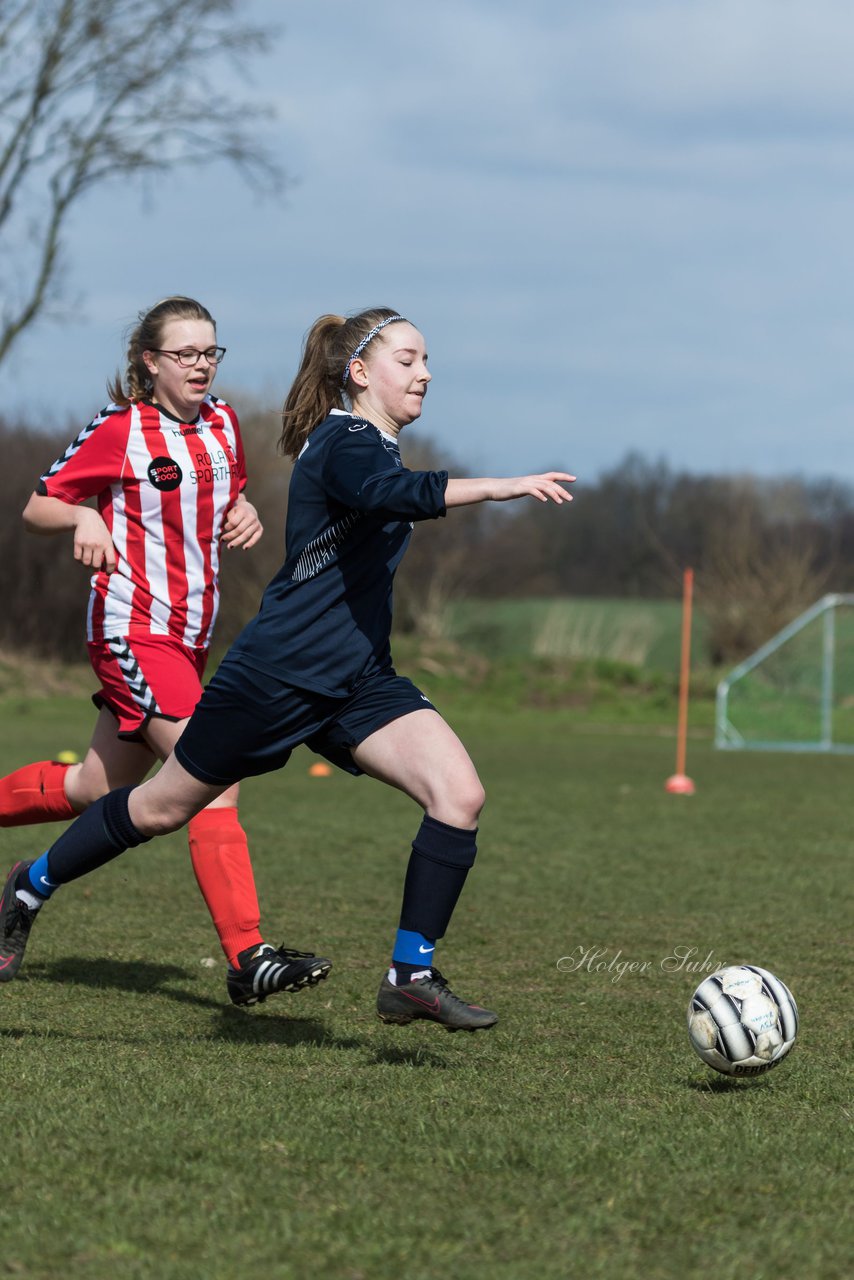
(622, 226)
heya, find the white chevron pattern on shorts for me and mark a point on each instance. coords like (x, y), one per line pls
(133, 677)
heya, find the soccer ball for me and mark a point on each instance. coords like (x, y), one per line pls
(742, 1020)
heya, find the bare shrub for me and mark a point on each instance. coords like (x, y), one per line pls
(244, 575)
(444, 557)
(43, 590)
(761, 567)
(99, 90)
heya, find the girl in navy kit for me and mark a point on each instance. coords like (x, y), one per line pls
(314, 666)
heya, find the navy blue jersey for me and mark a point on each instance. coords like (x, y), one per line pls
(325, 619)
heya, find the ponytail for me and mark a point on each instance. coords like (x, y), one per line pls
(321, 382)
(317, 387)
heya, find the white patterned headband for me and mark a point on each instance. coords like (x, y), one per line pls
(367, 338)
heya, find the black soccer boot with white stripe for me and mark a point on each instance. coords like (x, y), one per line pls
(271, 969)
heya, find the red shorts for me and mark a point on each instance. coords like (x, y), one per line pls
(152, 676)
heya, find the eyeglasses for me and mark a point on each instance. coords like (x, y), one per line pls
(189, 356)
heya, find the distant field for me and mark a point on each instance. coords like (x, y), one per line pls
(619, 660)
(641, 633)
(153, 1132)
(609, 661)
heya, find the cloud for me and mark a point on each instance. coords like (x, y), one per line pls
(620, 225)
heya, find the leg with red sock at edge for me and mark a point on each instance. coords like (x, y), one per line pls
(221, 862)
(35, 793)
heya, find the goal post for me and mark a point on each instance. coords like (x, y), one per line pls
(796, 692)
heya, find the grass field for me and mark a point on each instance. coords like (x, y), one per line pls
(152, 1131)
(641, 633)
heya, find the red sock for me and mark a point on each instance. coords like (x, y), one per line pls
(220, 856)
(35, 793)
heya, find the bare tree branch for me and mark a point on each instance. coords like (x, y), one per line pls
(94, 90)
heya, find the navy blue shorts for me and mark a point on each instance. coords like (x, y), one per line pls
(248, 723)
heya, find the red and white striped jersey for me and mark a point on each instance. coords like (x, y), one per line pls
(163, 488)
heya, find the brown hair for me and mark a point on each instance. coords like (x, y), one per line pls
(147, 335)
(318, 386)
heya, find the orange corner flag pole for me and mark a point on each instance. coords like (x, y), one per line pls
(680, 784)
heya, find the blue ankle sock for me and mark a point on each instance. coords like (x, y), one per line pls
(412, 953)
(39, 878)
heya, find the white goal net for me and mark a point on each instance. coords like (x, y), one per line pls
(796, 693)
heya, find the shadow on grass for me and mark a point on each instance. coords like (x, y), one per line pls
(726, 1084)
(276, 1025)
(241, 1026)
(287, 1033)
(141, 976)
(409, 1057)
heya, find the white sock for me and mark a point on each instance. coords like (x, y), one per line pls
(31, 900)
(422, 973)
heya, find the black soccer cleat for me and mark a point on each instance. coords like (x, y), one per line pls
(430, 997)
(273, 969)
(16, 921)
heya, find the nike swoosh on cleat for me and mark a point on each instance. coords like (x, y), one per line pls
(49, 883)
(426, 951)
(432, 1005)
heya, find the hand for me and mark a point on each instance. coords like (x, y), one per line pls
(242, 526)
(543, 487)
(93, 545)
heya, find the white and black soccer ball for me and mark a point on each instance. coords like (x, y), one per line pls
(742, 1020)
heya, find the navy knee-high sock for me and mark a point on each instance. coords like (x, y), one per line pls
(438, 865)
(101, 833)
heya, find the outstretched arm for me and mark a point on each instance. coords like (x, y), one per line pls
(549, 486)
(93, 545)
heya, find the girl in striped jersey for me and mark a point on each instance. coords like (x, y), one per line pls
(165, 462)
(314, 666)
